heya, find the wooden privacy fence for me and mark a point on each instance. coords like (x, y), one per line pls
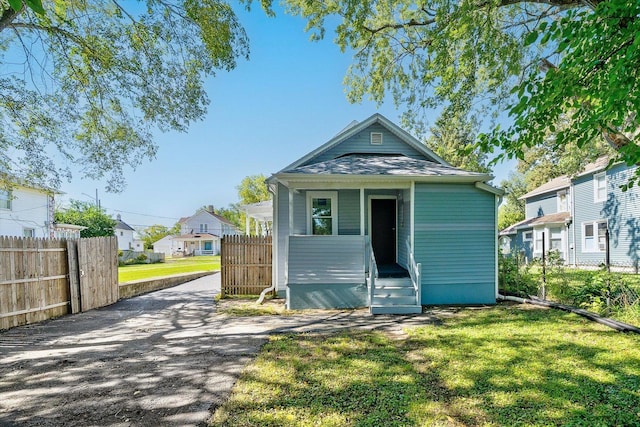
(45, 278)
(245, 264)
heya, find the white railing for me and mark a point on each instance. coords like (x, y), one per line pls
(373, 273)
(415, 272)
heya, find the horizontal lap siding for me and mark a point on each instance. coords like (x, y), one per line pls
(360, 143)
(349, 212)
(545, 204)
(621, 210)
(455, 240)
(326, 259)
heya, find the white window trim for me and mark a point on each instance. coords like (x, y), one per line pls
(333, 195)
(371, 138)
(595, 223)
(595, 187)
(547, 239)
(31, 230)
(6, 195)
(524, 236)
(566, 201)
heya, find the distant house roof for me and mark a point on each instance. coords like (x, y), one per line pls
(196, 236)
(220, 218)
(12, 179)
(121, 225)
(554, 218)
(388, 165)
(564, 181)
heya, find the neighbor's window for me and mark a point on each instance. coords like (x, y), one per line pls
(594, 236)
(322, 213)
(537, 243)
(528, 236)
(563, 206)
(5, 199)
(29, 232)
(203, 228)
(555, 239)
(599, 187)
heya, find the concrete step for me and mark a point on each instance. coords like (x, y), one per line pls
(395, 309)
(393, 300)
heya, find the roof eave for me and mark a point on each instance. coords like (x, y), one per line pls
(295, 177)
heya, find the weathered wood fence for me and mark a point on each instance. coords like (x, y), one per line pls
(245, 264)
(45, 278)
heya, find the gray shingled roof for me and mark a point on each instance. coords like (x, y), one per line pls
(372, 164)
(553, 218)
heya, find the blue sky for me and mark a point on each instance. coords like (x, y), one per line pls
(282, 103)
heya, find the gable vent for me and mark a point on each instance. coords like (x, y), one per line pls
(376, 138)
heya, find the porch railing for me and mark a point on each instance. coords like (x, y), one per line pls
(415, 273)
(373, 272)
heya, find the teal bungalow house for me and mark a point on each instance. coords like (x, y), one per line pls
(373, 218)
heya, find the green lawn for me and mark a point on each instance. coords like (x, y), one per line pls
(504, 366)
(170, 266)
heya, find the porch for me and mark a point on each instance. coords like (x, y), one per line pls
(342, 272)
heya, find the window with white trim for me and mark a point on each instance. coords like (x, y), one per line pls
(29, 232)
(563, 205)
(594, 236)
(555, 239)
(537, 241)
(527, 236)
(600, 187)
(322, 212)
(203, 228)
(5, 199)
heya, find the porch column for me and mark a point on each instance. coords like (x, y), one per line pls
(362, 211)
(247, 222)
(290, 211)
(412, 212)
(257, 228)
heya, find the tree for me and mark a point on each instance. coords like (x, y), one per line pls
(87, 82)
(453, 138)
(252, 189)
(155, 232)
(544, 61)
(87, 214)
(512, 210)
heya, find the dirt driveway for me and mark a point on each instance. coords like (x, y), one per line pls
(165, 358)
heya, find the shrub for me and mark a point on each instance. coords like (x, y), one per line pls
(515, 277)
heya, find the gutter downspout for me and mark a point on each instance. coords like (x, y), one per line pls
(274, 242)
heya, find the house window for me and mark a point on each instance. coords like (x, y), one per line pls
(376, 138)
(29, 232)
(5, 199)
(537, 242)
(555, 239)
(594, 236)
(563, 205)
(322, 212)
(203, 228)
(122, 233)
(527, 236)
(599, 187)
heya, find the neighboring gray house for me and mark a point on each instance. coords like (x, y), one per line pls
(375, 189)
(573, 214)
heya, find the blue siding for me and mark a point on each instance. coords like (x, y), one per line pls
(455, 240)
(360, 143)
(621, 210)
(327, 296)
(541, 205)
(349, 212)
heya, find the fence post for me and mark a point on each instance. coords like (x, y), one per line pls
(544, 271)
(607, 264)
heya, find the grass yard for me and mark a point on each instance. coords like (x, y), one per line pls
(503, 366)
(170, 266)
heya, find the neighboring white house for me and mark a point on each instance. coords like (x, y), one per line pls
(26, 211)
(200, 234)
(127, 237)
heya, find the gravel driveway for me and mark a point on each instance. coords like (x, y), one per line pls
(165, 358)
